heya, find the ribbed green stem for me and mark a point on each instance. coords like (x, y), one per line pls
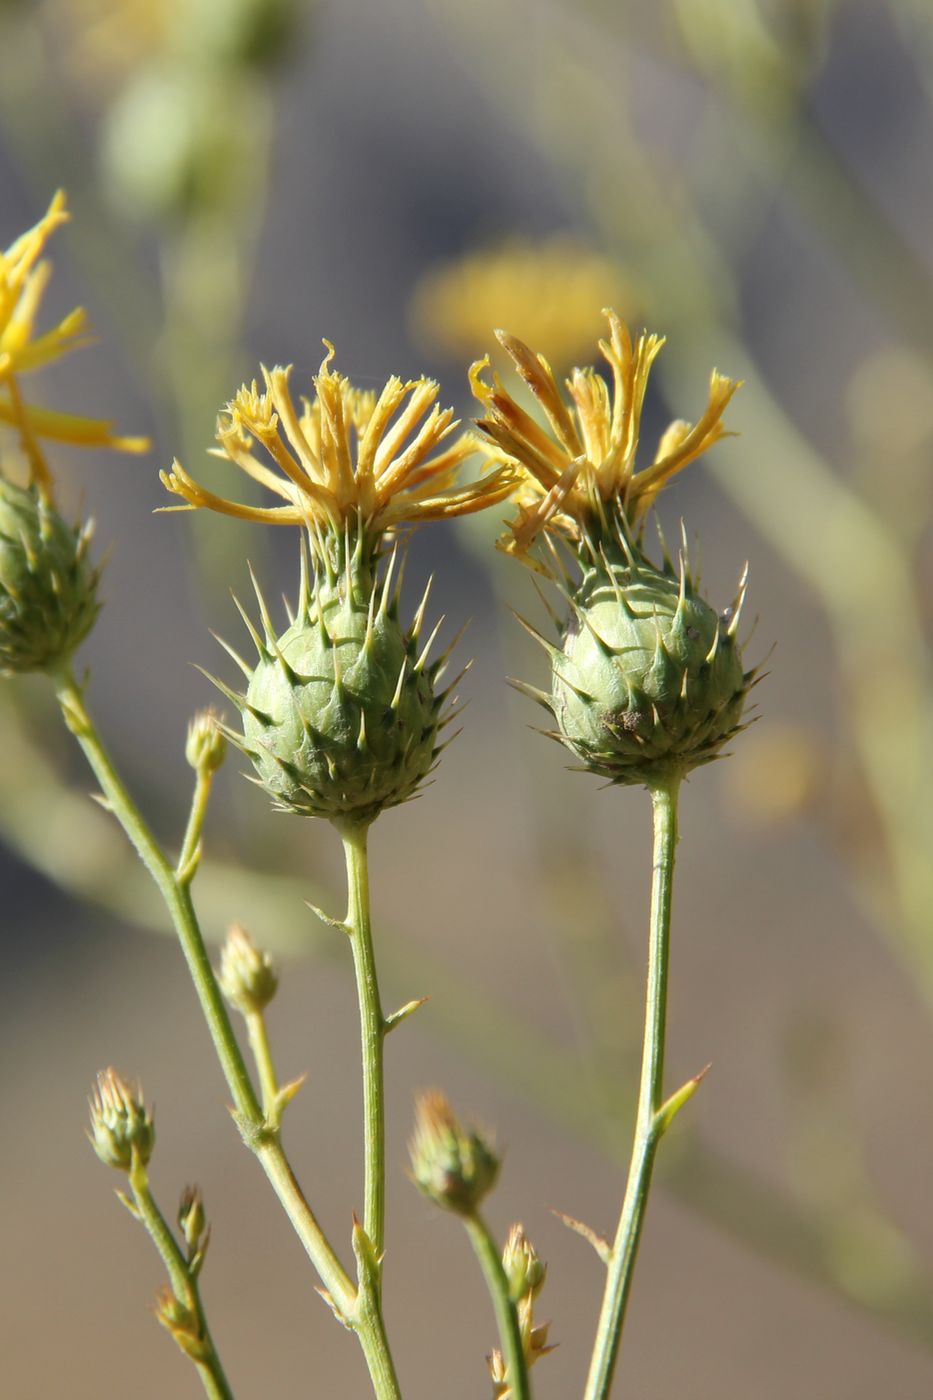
(176, 895)
(372, 1031)
(184, 1284)
(510, 1336)
(649, 1122)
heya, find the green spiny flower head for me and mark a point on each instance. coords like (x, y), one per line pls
(48, 587)
(340, 714)
(646, 678)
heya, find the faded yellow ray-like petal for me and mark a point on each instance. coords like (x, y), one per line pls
(349, 457)
(586, 462)
(24, 277)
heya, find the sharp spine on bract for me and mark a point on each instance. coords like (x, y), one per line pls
(233, 654)
(418, 619)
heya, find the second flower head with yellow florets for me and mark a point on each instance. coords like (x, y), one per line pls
(646, 679)
(341, 717)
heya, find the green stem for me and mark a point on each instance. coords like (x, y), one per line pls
(649, 1121)
(370, 1329)
(372, 1032)
(262, 1054)
(506, 1312)
(187, 859)
(184, 1285)
(177, 897)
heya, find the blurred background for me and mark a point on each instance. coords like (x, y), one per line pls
(752, 179)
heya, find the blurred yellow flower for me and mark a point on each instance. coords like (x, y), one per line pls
(546, 289)
(23, 280)
(347, 456)
(588, 459)
(105, 40)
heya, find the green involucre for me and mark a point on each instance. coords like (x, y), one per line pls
(648, 679)
(340, 715)
(48, 599)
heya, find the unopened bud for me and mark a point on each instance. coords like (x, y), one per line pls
(206, 746)
(451, 1165)
(247, 976)
(192, 1220)
(524, 1270)
(176, 1317)
(120, 1123)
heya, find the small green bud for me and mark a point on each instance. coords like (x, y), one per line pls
(48, 587)
(452, 1166)
(206, 747)
(120, 1123)
(182, 1322)
(192, 1220)
(648, 681)
(524, 1270)
(248, 978)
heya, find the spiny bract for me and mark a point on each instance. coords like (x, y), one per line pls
(647, 680)
(340, 716)
(48, 586)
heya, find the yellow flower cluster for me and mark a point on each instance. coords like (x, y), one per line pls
(547, 290)
(23, 280)
(587, 460)
(347, 455)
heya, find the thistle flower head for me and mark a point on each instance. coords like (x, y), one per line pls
(647, 680)
(581, 473)
(48, 586)
(347, 457)
(453, 1166)
(121, 1125)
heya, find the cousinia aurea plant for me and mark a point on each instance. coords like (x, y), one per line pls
(647, 681)
(341, 716)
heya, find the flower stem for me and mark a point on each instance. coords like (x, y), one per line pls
(266, 1145)
(183, 1283)
(510, 1335)
(650, 1122)
(188, 857)
(372, 1031)
(262, 1054)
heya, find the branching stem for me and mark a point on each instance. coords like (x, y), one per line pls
(177, 897)
(183, 1282)
(510, 1336)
